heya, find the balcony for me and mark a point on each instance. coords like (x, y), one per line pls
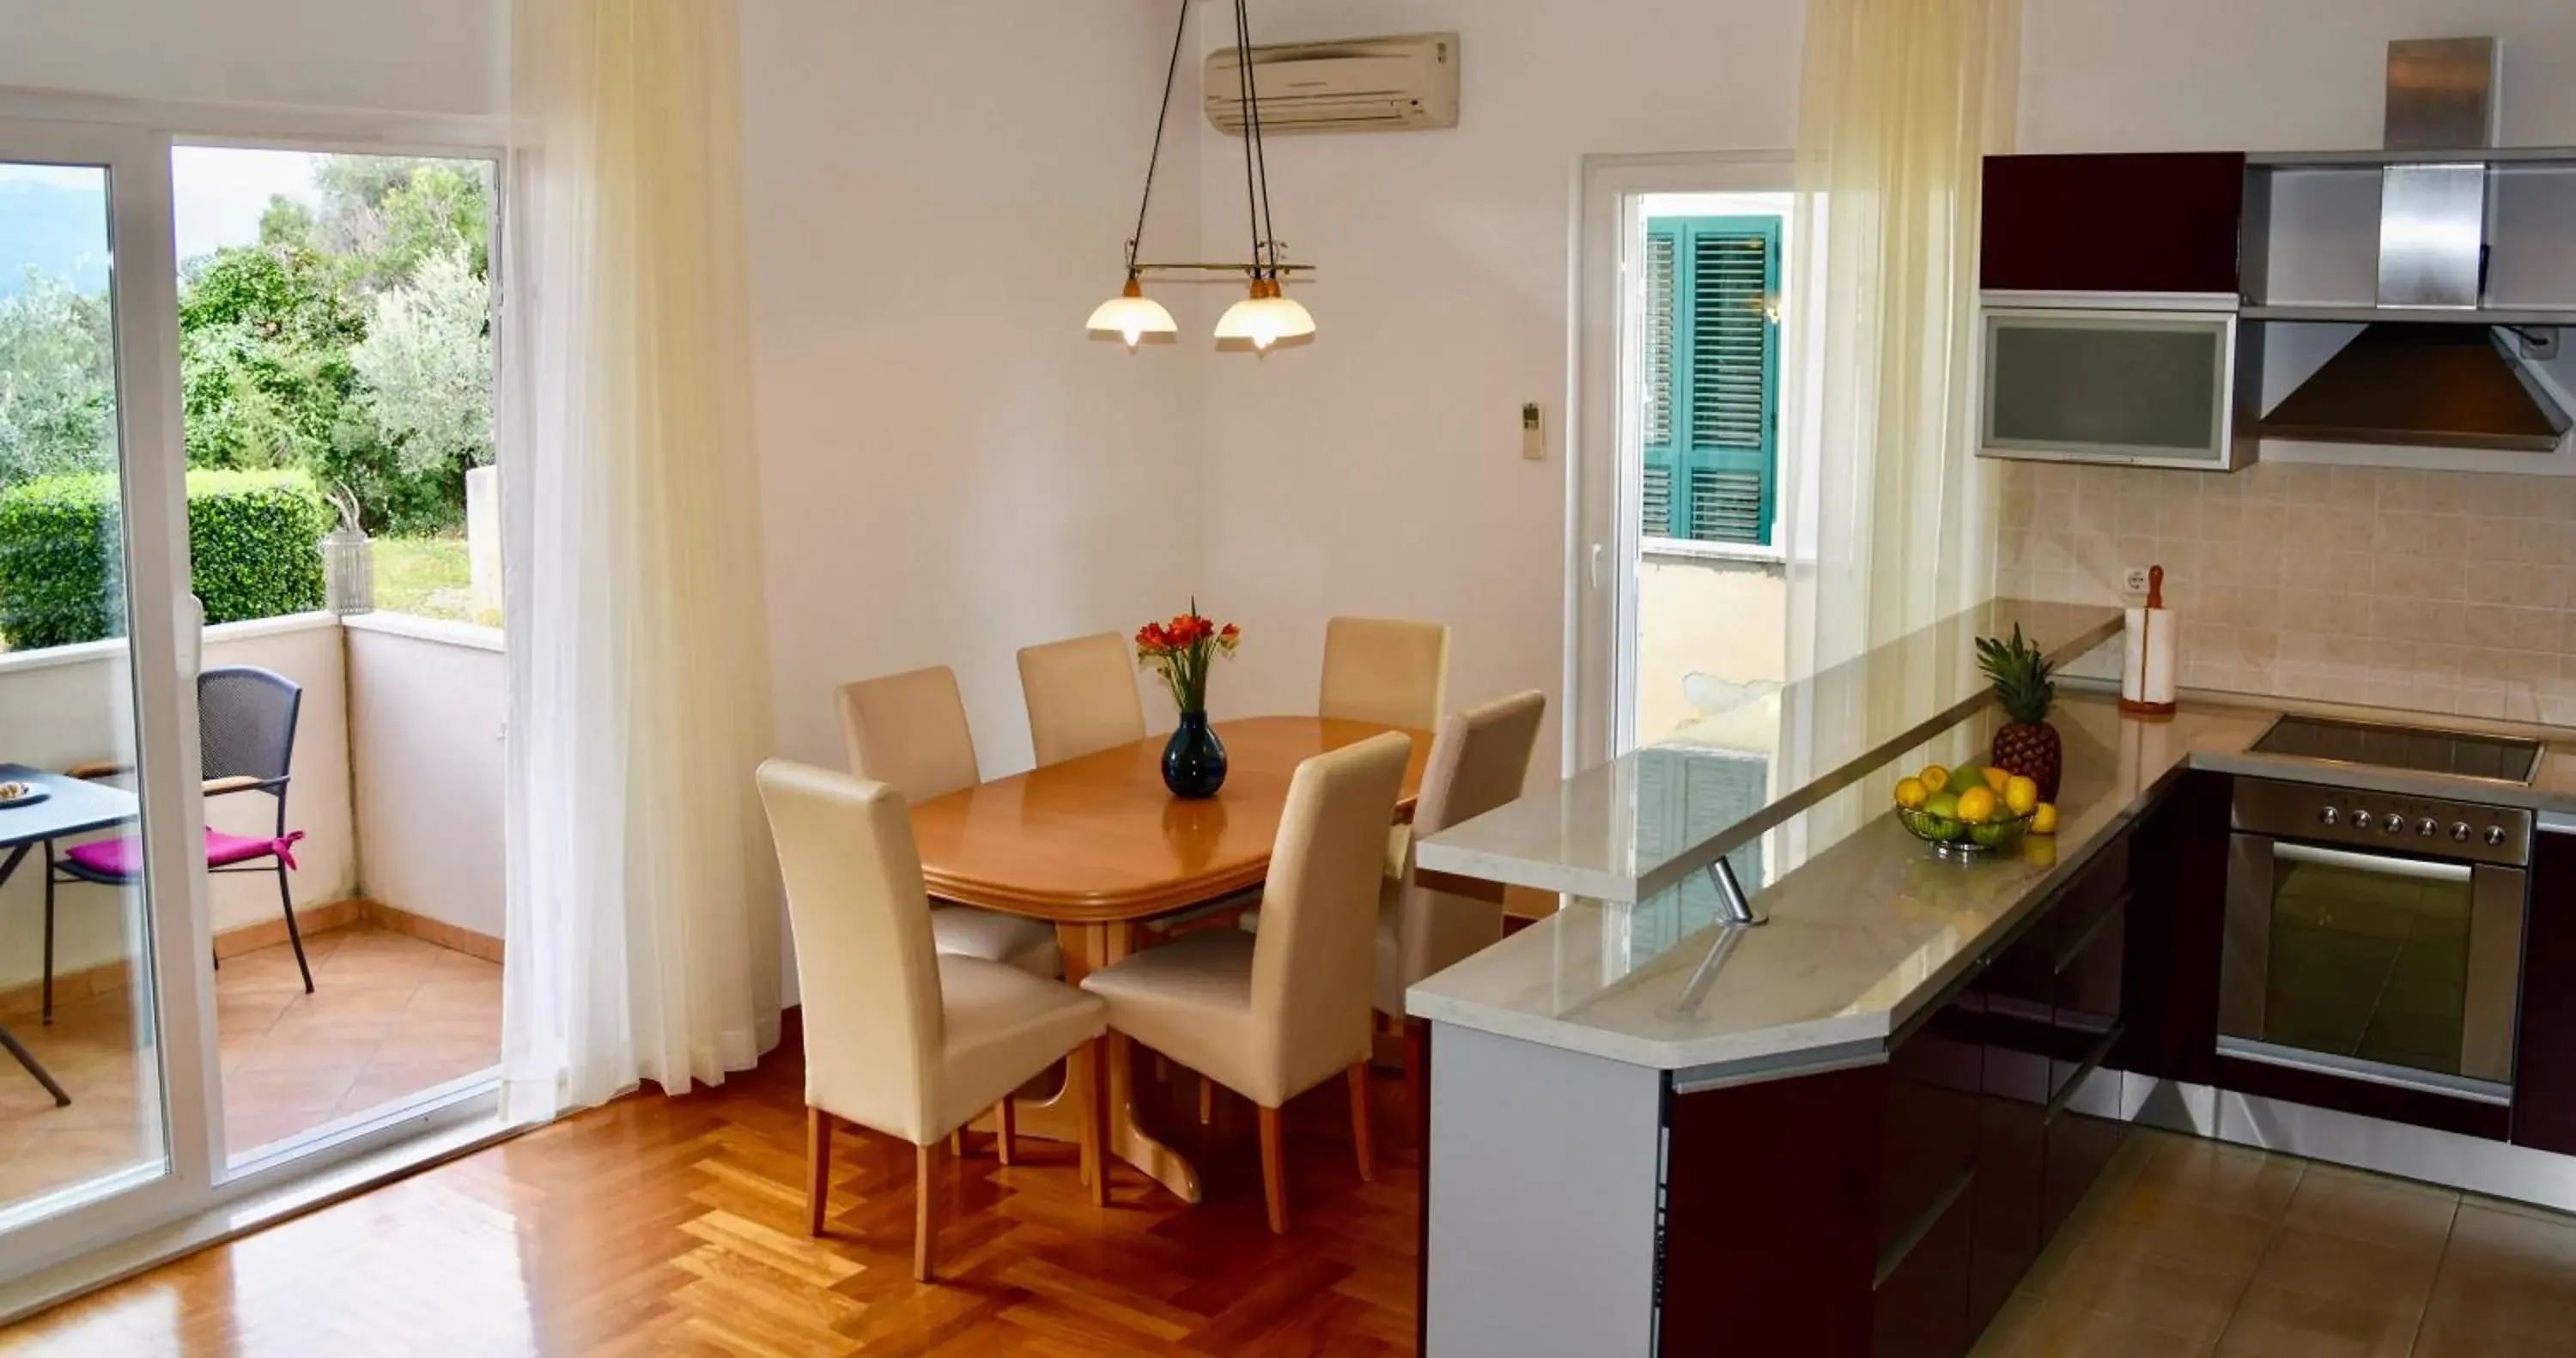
(397, 782)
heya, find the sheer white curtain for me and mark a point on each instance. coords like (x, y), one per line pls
(1890, 521)
(1889, 517)
(643, 912)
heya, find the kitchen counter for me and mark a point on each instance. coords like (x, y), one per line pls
(1871, 927)
(1649, 819)
(1648, 1132)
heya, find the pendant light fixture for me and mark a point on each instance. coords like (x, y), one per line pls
(1266, 318)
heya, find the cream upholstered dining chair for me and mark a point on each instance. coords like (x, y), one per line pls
(1081, 695)
(909, 730)
(1272, 1015)
(1385, 670)
(900, 1037)
(1479, 759)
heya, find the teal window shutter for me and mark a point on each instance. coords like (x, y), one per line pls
(1713, 372)
(1663, 395)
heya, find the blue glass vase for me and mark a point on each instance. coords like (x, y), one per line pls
(1194, 759)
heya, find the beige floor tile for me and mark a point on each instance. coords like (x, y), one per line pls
(2273, 1323)
(2364, 1273)
(292, 1062)
(2393, 1212)
(2149, 1221)
(307, 1087)
(456, 999)
(2216, 1174)
(296, 1051)
(2168, 1292)
(2517, 1209)
(2484, 1237)
(2060, 1330)
(339, 996)
(2010, 1323)
(2453, 1341)
(2540, 1304)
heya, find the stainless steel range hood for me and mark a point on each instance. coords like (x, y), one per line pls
(2445, 381)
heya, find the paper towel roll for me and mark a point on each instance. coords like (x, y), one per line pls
(2147, 670)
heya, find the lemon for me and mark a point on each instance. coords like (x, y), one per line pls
(1934, 777)
(1911, 793)
(2020, 795)
(1977, 805)
(2044, 820)
(1997, 780)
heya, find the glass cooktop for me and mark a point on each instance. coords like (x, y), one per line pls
(2459, 754)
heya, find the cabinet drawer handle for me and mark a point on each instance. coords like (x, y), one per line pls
(1893, 1257)
(2066, 956)
(2093, 1059)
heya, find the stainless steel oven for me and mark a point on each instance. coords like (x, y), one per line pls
(2375, 936)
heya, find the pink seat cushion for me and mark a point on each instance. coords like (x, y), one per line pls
(123, 855)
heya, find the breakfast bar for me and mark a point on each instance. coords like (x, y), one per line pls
(1849, 1129)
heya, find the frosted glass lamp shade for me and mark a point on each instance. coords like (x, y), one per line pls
(1133, 318)
(1263, 320)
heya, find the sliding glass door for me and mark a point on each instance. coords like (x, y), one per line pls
(105, 1084)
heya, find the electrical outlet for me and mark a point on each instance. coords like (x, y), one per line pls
(2539, 343)
(2134, 580)
(1533, 433)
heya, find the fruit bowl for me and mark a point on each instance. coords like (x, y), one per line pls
(1956, 838)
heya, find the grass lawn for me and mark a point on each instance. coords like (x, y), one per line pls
(426, 576)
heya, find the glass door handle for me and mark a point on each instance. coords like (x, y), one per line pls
(192, 637)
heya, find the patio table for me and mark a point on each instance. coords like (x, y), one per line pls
(71, 806)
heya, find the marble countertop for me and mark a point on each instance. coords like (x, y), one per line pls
(1867, 925)
(1639, 824)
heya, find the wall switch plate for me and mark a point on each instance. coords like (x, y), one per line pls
(1533, 433)
(2134, 580)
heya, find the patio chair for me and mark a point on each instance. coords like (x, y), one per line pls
(246, 736)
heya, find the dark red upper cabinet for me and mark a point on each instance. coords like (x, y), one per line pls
(2151, 222)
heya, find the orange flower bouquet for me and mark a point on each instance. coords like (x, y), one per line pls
(1181, 652)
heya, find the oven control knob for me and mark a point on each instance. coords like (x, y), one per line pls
(2495, 836)
(2329, 815)
(2428, 827)
(2361, 820)
(2395, 824)
(2460, 832)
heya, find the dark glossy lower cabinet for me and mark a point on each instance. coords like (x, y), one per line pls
(2544, 1086)
(1889, 1210)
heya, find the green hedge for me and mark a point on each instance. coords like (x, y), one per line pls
(253, 539)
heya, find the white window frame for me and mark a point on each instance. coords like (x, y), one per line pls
(1602, 462)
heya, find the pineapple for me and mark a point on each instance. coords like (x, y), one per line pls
(2029, 745)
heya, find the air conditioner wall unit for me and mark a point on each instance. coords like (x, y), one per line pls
(1405, 83)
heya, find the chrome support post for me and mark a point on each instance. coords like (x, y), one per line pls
(1734, 907)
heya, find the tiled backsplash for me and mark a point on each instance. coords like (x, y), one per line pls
(2426, 591)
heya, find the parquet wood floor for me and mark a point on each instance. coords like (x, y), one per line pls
(675, 1226)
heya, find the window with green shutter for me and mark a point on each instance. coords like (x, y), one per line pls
(1712, 370)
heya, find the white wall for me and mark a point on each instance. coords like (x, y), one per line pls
(428, 702)
(2277, 75)
(1378, 471)
(951, 471)
(57, 710)
(444, 56)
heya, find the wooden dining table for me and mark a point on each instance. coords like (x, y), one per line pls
(1097, 846)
